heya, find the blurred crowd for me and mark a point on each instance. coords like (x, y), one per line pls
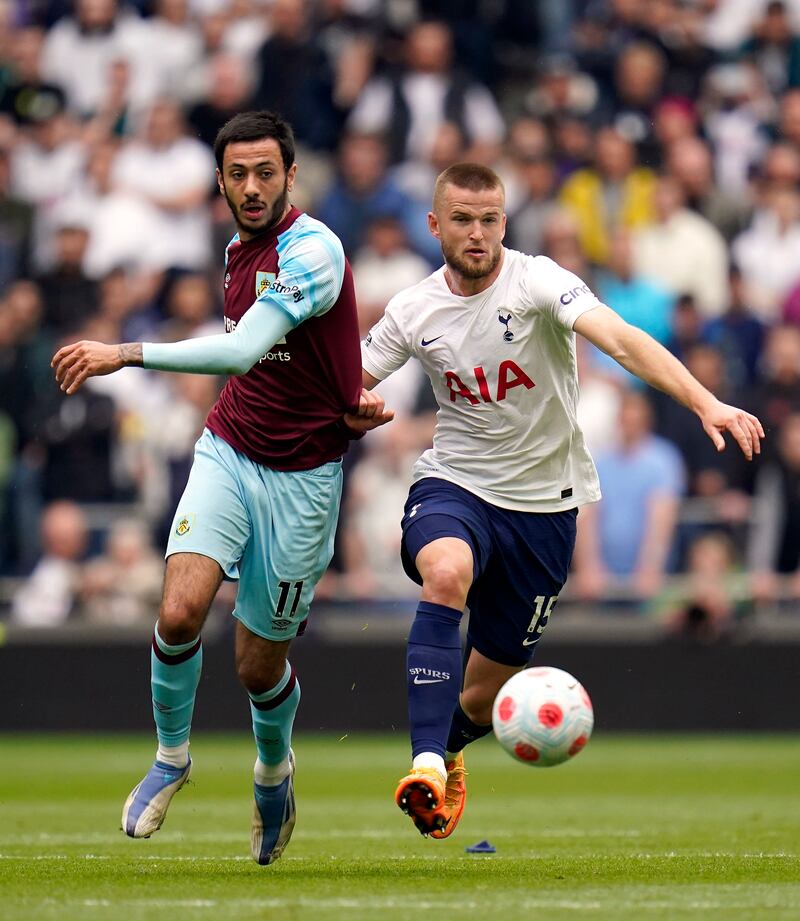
(650, 146)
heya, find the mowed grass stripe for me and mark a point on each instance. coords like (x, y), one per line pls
(655, 827)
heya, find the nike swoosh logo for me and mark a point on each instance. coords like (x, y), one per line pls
(418, 680)
(530, 642)
(426, 342)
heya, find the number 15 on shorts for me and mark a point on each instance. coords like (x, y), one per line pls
(543, 608)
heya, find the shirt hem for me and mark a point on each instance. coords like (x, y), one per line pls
(537, 505)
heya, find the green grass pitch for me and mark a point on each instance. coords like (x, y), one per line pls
(636, 828)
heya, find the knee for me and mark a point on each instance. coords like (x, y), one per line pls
(476, 702)
(179, 621)
(256, 678)
(447, 581)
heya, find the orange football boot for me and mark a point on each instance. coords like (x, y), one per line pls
(455, 796)
(422, 795)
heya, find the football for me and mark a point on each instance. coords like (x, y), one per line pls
(542, 716)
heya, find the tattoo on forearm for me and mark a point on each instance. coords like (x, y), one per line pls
(131, 354)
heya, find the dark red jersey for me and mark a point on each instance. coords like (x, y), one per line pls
(286, 411)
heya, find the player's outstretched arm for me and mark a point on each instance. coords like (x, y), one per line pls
(260, 328)
(76, 362)
(647, 359)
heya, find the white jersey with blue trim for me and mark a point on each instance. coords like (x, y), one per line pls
(502, 365)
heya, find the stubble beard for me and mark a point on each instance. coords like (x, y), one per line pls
(470, 269)
(272, 218)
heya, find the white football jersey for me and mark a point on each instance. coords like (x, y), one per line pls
(502, 365)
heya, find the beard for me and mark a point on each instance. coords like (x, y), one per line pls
(268, 219)
(469, 268)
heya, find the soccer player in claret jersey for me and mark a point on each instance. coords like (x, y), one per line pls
(491, 516)
(263, 494)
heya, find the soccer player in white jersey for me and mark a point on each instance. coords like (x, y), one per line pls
(490, 518)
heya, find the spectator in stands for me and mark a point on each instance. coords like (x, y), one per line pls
(417, 177)
(774, 538)
(171, 171)
(777, 394)
(74, 442)
(628, 536)
(788, 126)
(615, 191)
(561, 242)
(70, 297)
(16, 228)
(639, 78)
(364, 190)
(637, 299)
(48, 147)
(122, 586)
(682, 250)
(25, 97)
(738, 335)
(573, 146)
(125, 229)
(690, 163)
(410, 105)
(705, 604)
(295, 77)
(383, 266)
(169, 52)
(47, 597)
(687, 327)
(598, 401)
(736, 106)
(774, 48)
(190, 308)
(561, 90)
(707, 470)
(80, 48)
(229, 91)
(536, 176)
(675, 118)
(768, 252)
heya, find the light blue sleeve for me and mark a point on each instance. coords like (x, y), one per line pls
(228, 353)
(310, 271)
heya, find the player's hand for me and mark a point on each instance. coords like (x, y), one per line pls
(371, 413)
(76, 362)
(745, 428)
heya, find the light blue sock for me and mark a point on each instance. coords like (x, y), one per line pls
(273, 715)
(175, 673)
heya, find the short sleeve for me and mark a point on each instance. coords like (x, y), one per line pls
(310, 273)
(386, 347)
(560, 293)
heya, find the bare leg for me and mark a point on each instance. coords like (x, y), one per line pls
(190, 584)
(483, 678)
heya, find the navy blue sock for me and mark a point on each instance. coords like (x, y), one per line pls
(434, 675)
(463, 731)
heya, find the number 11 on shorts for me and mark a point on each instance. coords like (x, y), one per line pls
(285, 588)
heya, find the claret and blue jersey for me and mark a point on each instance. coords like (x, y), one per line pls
(285, 411)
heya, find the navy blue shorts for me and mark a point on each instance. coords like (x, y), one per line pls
(521, 560)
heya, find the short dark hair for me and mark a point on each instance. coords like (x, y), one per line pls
(472, 176)
(253, 126)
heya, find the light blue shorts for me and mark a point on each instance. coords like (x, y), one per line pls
(272, 530)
